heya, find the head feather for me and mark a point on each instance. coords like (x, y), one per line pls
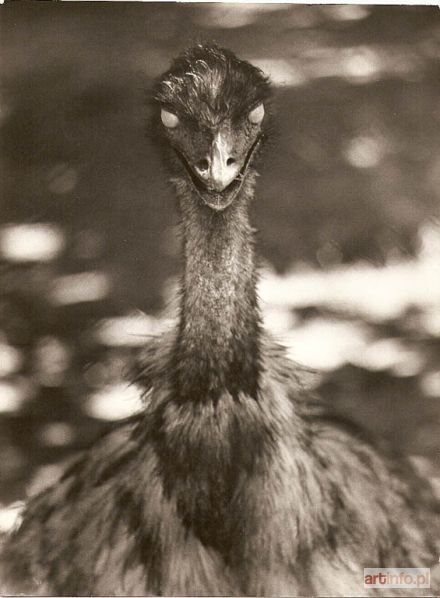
(210, 83)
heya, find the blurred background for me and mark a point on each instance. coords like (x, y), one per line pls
(348, 208)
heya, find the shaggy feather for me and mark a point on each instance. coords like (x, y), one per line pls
(208, 84)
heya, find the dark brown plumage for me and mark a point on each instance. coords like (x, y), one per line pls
(233, 481)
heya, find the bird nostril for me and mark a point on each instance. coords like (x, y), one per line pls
(202, 165)
(230, 161)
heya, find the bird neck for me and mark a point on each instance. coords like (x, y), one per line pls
(217, 348)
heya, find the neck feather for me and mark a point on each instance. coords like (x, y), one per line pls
(217, 348)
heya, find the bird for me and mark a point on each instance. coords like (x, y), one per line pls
(233, 480)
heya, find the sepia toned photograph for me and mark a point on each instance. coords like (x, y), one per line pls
(219, 299)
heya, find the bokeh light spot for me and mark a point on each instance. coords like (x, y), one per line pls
(10, 516)
(281, 72)
(57, 434)
(278, 319)
(325, 344)
(31, 242)
(11, 359)
(129, 331)
(360, 64)
(12, 397)
(80, 288)
(346, 12)
(430, 384)
(52, 358)
(364, 152)
(115, 402)
(220, 16)
(392, 354)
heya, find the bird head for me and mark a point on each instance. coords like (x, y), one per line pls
(210, 108)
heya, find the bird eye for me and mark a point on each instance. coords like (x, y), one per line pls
(256, 115)
(169, 119)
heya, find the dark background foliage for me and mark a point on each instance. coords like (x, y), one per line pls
(351, 180)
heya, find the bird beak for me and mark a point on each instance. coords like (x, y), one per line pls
(220, 167)
(218, 177)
